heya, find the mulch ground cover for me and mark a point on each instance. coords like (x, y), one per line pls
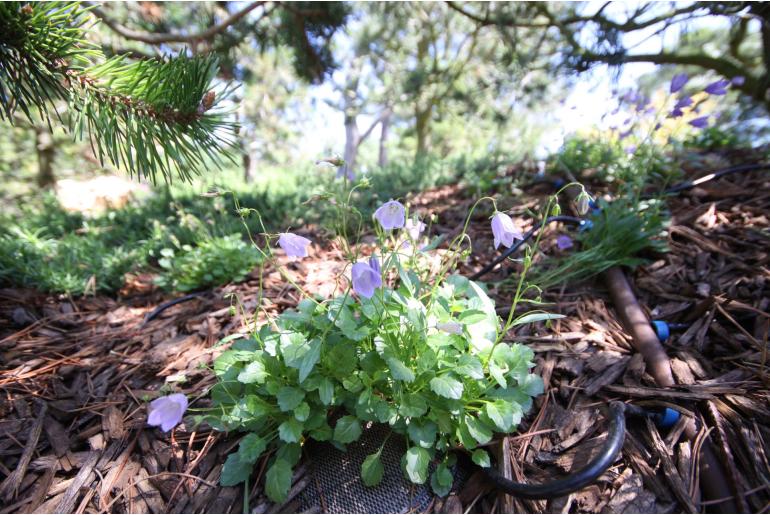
(76, 376)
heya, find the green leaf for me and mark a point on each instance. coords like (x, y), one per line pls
(372, 470)
(347, 430)
(478, 430)
(302, 412)
(326, 391)
(441, 480)
(289, 398)
(416, 465)
(322, 434)
(412, 405)
(481, 458)
(497, 373)
(400, 371)
(289, 452)
(234, 470)
(278, 481)
(535, 317)
(290, 431)
(472, 316)
(501, 414)
(300, 354)
(469, 366)
(251, 448)
(423, 434)
(253, 373)
(447, 386)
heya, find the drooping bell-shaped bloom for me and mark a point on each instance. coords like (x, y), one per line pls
(717, 88)
(414, 228)
(678, 82)
(630, 149)
(366, 278)
(504, 231)
(701, 122)
(294, 245)
(685, 101)
(738, 80)
(167, 411)
(563, 242)
(450, 327)
(391, 215)
(583, 203)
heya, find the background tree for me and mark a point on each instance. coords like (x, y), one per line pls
(588, 36)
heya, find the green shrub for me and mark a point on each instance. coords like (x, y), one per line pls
(213, 262)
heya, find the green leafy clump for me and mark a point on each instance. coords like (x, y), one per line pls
(621, 231)
(213, 262)
(579, 154)
(381, 360)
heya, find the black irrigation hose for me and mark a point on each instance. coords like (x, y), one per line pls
(518, 244)
(687, 185)
(576, 480)
(173, 302)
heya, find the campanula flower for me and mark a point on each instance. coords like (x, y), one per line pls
(738, 80)
(391, 215)
(167, 411)
(701, 122)
(678, 82)
(630, 149)
(563, 242)
(676, 113)
(366, 278)
(450, 327)
(294, 245)
(414, 228)
(504, 231)
(583, 201)
(685, 101)
(718, 87)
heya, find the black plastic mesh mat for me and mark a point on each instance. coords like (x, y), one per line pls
(335, 484)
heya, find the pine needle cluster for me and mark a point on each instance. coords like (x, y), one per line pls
(155, 115)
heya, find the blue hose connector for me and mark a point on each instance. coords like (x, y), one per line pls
(585, 225)
(559, 183)
(667, 419)
(662, 330)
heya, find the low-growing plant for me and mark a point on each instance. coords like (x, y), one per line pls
(408, 343)
(212, 262)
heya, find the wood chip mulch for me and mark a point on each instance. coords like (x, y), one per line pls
(76, 376)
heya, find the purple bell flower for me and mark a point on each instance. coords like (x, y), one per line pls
(504, 231)
(678, 81)
(701, 122)
(717, 88)
(564, 242)
(391, 215)
(295, 246)
(414, 228)
(738, 80)
(366, 277)
(167, 411)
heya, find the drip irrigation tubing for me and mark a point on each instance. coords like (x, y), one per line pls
(646, 342)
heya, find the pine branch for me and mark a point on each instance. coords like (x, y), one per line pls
(148, 116)
(157, 39)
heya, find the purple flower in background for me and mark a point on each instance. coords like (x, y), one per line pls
(738, 80)
(450, 327)
(623, 135)
(366, 278)
(414, 228)
(685, 101)
(504, 231)
(718, 87)
(676, 113)
(294, 246)
(701, 122)
(678, 81)
(564, 242)
(391, 215)
(630, 149)
(167, 411)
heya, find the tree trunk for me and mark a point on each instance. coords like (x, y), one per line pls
(382, 158)
(45, 155)
(352, 139)
(422, 126)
